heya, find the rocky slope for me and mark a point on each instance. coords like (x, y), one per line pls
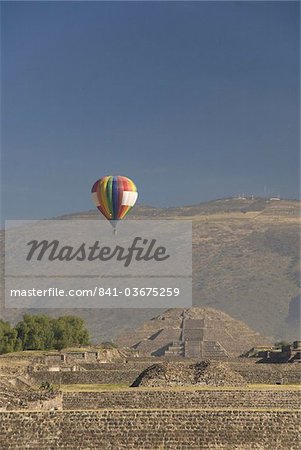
(209, 373)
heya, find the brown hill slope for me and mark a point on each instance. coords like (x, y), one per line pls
(245, 263)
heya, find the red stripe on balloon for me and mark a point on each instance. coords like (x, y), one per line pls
(100, 208)
(94, 187)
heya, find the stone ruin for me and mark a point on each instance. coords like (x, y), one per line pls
(196, 332)
(16, 394)
(194, 342)
(290, 353)
(206, 373)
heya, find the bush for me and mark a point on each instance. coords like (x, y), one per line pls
(8, 338)
(281, 344)
(40, 332)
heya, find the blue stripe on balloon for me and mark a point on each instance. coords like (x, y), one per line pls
(115, 197)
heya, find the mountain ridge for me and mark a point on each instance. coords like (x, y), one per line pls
(246, 263)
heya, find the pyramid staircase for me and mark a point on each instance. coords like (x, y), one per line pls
(214, 350)
(175, 349)
(193, 342)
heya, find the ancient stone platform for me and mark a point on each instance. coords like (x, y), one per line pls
(151, 429)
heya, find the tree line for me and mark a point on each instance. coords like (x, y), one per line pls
(40, 332)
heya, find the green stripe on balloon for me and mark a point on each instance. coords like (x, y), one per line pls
(109, 195)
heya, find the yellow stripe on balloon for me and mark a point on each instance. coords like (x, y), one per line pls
(125, 211)
(103, 194)
(133, 186)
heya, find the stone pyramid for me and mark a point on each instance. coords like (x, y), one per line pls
(221, 333)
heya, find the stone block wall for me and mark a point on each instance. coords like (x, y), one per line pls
(268, 373)
(87, 377)
(150, 429)
(126, 373)
(34, 401)
(137, 398)
(134, 364)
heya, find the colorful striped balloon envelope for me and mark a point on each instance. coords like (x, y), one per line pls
(114, 196)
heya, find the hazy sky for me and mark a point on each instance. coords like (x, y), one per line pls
(192, 100)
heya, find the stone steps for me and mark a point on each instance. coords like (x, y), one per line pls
(150, 429)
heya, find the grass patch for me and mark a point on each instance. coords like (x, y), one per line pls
(91, 387)
(26, 353)
(123, 387)
(30, 353)
(250, 387)
(277, 387)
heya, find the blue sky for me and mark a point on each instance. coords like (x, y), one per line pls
(192, 100)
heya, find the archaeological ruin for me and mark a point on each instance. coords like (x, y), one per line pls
(162, 391)
(197, 332)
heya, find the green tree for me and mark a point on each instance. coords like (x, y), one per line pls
(281, 344)
(35, 332)
(70, 331)
(8, 338)
(40, 332)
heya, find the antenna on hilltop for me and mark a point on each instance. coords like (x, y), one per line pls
(265, 192)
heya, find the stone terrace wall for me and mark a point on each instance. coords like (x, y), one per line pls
(268, 373)
(138, 398)
(150, 429)
(33, 401)
(134, 364)
(127, 373)
(87, 377)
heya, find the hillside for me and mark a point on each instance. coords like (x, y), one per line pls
(245, 263)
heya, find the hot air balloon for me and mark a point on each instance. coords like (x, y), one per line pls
(114, 197)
